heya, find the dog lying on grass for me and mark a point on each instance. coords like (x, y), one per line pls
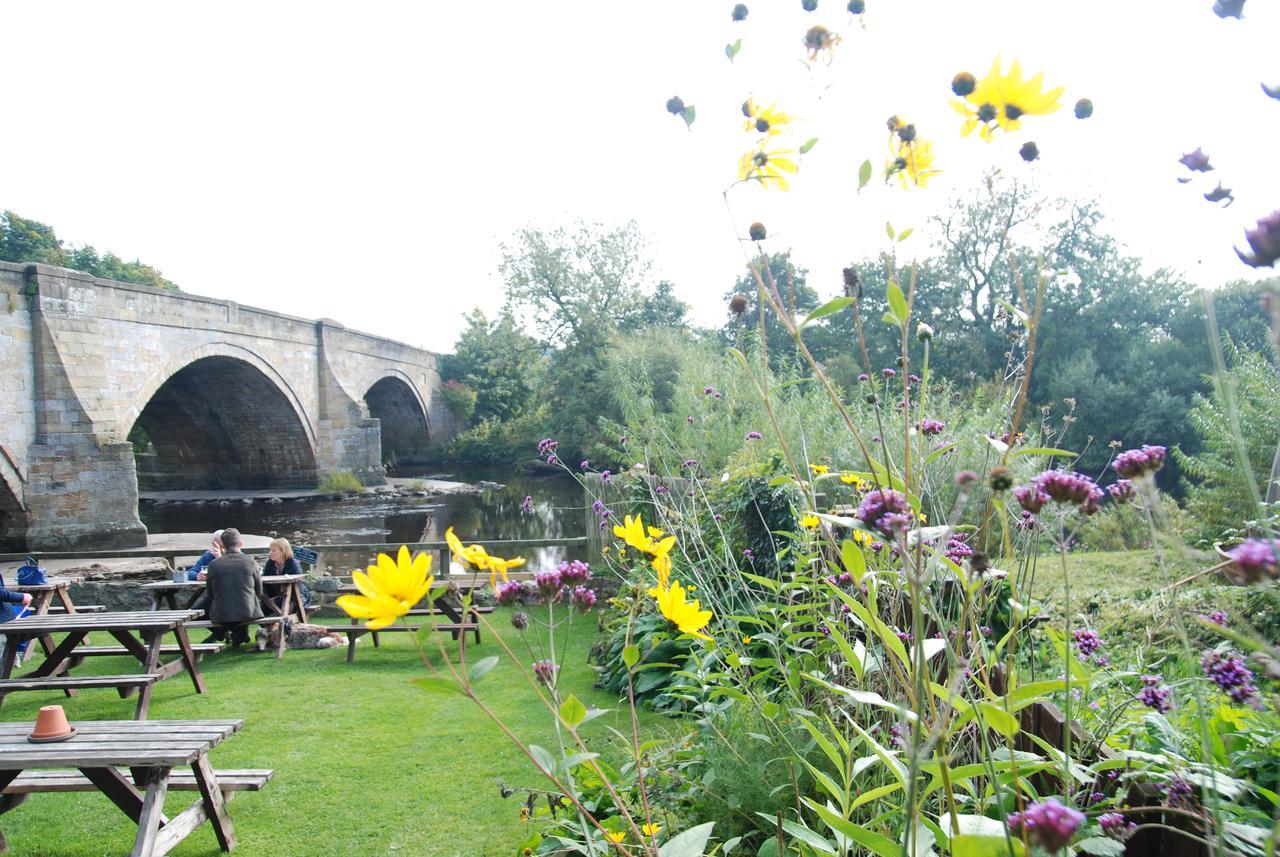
(301, 636)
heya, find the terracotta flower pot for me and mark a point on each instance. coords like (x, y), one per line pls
(51, 725)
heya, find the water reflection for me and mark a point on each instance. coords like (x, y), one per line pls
(557, 512)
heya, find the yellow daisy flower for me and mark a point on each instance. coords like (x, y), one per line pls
(809, 522)
(850, 479)
(616, 836)
(389, 589)
(650, 829)
(767, 167)
(912, 163)
(498, 565)
(688, 616)
(632, 531)
(746, 641)
(1001, 100)
(818, 469)
(473, 555)
(767, 120)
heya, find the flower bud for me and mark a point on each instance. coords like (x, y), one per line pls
(675, 105)
(740, 12)
(762, 125)
(963, 84)
(1029, 151)
(738, 304)
(924, 332)
(757, 231)
(893, 123)
(519, 621)
(809, 5)
(1264, 240)
(852, 284)
(906, 133)
(857, 7)
(1001, 479)
(1084, 108)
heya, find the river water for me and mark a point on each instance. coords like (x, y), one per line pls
(557, 512)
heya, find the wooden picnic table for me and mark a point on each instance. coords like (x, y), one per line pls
(149, 751)
(166, 592)
(42, 595)
(139, 633)
(458, 624)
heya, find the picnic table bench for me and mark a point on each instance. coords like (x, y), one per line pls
(133, 764)
(286, 585)
(139, 633)
(444, 605)
(42, 595)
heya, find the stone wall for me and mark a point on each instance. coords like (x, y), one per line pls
(17, 405)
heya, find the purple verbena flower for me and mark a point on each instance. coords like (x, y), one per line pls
(1138, 463)
(1060, 486)
(966, 478)
(597, 506)
(1047, 823)
(1114, 826)
(1229, 671)
(886, 511)
(606, 477)
(512, 592)
(1086, 642)
(1255, 559)
(584, 465)
(527, 505)
(1155, 695)
(754, 435)
(547, 446)
(547, 583)
(545, 671)
(1122, 491)
(1178, 790)
(888, 372)
(864, 377)
(913, 378)
(708, 390)
(1218, 617)
(689, 419)
(689, 464)
(583, 598)
(574, 573)
(930, 427)
(747, 554)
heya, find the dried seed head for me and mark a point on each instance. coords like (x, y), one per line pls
(740, 12)
(757, 231)
(1001, 479)
(1029, 151)
(1084, 108)
(852, 285)
(857, 7)
(963, 84)
(738, 304)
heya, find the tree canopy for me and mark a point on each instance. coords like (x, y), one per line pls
(25, 240)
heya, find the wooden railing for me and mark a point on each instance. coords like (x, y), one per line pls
(501, 547)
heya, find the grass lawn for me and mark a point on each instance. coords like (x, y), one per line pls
(365, 763)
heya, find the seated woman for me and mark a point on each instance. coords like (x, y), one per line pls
(197, 571)
(280, 561)
(8, 598)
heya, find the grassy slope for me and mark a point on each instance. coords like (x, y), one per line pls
(365, 763)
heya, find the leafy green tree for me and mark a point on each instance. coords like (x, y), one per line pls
(497, 360)
(23, 240)
(1241, 413)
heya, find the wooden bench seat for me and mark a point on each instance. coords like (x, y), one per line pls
(205, 624)
(432, 611)
(81, 608)
(65, 682)
(167, 649)
(354, 632)
(230, 780)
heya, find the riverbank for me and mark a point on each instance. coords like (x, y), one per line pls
(401, 486)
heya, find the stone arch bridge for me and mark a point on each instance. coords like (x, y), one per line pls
(109, 387)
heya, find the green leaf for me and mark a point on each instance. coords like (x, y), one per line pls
(572, 711)
(688, 115)
(808, 144)
(420, 636)
(938, 453)
(482, 668)
(575, 760)
(731, 51)
(888, 227)
(898, 302)
(864, 175)
(829, 308)
(905, 234)
(690, 843)
(999, 719)
(869, 839)
(967, 845)
(1101, 845)
(544, 759)
(631, 655)
(436, 684)
(1045, 450)
(853, 559)
(890, 318)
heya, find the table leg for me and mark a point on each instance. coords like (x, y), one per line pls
(297, 596)
(152, 813)
(150, 665)
(55, 663)
(189, 657)
(65, 597)
(285, 610)
(215, 804)
(454, 614)
(8, 802)
(118, 789)
(40, 603)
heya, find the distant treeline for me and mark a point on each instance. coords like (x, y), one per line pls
(24, 240)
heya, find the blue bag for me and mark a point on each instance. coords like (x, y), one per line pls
(31, 574)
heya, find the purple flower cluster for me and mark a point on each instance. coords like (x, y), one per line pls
(1264, 241)
(708, 390)
(886, 510)
(1047, 823)
(1122, 491)
(583, 598)
(1155, 695)
(1136, 463)
(1114, 825)
(930, 427)
(545, 671)
(1179, 791)
(1255, 559)
(957, 550)
(546, 446)
(584, 465)
(1027, 521)
(966, 478)
(527, 505)
(913, 378)
(864, 377)
(1218, 617)
(754, 435)
(574, 573)
(689, 464)
(1229, 671)
(1060, 486)
(606, 477)
(512, 592)
(888, 373)
(1086, 642)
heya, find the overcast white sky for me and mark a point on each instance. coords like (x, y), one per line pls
(363, 161)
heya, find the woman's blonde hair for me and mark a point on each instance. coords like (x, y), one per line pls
(285, 548)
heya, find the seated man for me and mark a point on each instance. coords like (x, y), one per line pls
(233, 594)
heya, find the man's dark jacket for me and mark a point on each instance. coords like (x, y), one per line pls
(234, 589)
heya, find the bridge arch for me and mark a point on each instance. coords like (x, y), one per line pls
(221, 417)
(393, 399)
